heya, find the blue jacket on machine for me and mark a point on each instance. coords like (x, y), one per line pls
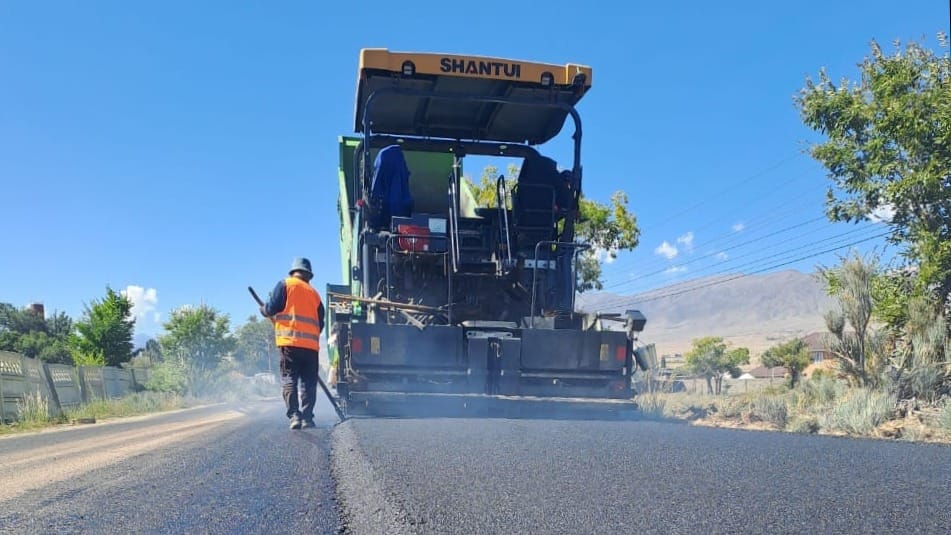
(389, 191)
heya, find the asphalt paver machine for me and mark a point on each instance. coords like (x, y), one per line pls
(449, 307)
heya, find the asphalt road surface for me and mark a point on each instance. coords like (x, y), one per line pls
(219, 469)
(238, 469)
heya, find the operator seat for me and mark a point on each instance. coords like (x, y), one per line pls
(389, 191)
(533, 202)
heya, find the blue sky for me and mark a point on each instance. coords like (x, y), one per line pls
(186, 151)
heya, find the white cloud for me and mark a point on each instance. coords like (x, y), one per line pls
(738, 227)
(687, 241)
(882, 214)
(666, 250)
(675, 269)
(144, 302)
(722, 256)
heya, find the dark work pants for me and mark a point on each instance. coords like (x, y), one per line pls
(299, 364)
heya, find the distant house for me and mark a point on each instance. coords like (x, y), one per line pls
(818, 351)
(765, 372)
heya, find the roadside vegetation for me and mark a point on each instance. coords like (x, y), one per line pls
(35, 412)
(199, 359)
(888, 155)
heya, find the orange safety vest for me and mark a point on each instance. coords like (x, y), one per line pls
(297, 325)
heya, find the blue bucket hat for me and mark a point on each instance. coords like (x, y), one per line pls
(301, 264)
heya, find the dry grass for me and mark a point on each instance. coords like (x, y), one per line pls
(33, 413)
(34, 410)
(132, 405)
(822, 405)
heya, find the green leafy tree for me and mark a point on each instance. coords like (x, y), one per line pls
(608, 228)
(197, 338)
(710, 357)
(45, 347)
(888, 151)
(32, 335)
(485, 192)
(793, 355)
(255, 347)
(104, 334)
(17, 320)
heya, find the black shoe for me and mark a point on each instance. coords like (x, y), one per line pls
(295, 422)
(309, 422)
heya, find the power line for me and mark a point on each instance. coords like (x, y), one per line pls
(748, 265)
(771, 214)
(809, 246)
(754, 240)
(731, 187)
(634, 301)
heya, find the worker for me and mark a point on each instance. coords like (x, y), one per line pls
(297, 312)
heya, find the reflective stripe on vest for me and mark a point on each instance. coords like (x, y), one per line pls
(297, 325)
(298, 317)
(296, 334)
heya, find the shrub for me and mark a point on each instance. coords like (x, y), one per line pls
(804, 424)
(168, 377)
(652, 405)
(819, 373)
(770, 408)
(820, 391)
(944, 416)
(915, 433)
(860, 412)
(732, 407)
(924, 381)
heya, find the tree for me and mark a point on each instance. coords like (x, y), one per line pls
(32, 335)
(255, 345)
(860, 351)
(608, 228)
(923, 359)
(793, 355)
(197, 338)
(104, 334)
(888, 151)
(711, 358)
(485, 192)
(42, 346)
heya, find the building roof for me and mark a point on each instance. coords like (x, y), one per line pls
(764, 372)
(815, 341)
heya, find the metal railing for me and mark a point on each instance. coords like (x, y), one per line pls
(576, 248)
(501, 198)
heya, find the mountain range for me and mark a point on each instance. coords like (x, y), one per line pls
(753, 311)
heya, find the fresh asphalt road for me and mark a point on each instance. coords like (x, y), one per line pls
(238, 469)
(495, 476)
(217, 469)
